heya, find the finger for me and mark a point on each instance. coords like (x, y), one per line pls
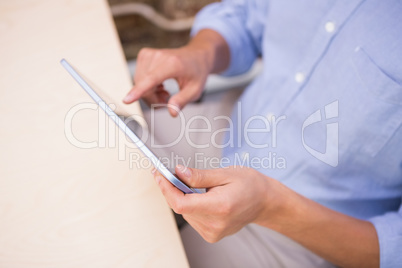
(183, 97)
(185, 203)
(153, 171)
(174, 196)
(160, 96)
(136, 92)
(163, 96)
(156, 173)
(198, 178)
(148, 82)
(144, 59)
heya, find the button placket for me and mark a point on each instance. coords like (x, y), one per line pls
(330, 26)
(320, 43)
(300, 77)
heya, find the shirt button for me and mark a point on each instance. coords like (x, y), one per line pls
(299, 77)
(270, 116)
(330, 27)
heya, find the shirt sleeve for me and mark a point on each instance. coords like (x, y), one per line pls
(241, 24)
(389, 232)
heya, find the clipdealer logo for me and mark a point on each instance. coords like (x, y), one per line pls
(107, 135)
(331, 154)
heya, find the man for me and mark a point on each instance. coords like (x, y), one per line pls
(329, 67)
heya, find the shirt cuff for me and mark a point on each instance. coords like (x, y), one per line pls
(389, 232)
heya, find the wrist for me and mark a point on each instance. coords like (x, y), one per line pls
(213, 49)
(282, 207)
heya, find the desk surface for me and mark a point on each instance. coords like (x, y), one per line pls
(63, 206)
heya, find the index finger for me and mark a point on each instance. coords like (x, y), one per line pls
(152, 79)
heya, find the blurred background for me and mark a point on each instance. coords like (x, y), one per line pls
(154, 23)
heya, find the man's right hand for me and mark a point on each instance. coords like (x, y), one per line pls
(189, 65)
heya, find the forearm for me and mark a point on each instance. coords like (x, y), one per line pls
(214, 48)
(342, 240)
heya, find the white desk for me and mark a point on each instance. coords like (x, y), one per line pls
(62, 206)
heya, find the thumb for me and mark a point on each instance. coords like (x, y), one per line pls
(139, 89)
(198, 178)
(184, 96)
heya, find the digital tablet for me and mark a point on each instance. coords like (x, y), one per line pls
(129, 131)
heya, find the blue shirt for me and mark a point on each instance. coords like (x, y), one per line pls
(325, 115)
